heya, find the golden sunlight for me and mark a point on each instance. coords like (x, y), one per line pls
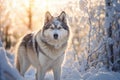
(29, 14)
(49, 5)
(44, 4)
(38, 5)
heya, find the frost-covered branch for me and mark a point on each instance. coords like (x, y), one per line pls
(112, 29)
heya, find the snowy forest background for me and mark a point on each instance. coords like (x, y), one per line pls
(95, 34)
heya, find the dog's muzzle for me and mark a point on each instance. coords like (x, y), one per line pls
(55, 36)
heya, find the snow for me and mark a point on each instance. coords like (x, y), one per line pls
(105, 76)
(70, 72)
(6, 68)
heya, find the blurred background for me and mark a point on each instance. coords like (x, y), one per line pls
(17, 17)
(85, 17)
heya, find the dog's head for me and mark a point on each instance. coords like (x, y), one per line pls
(55, 29)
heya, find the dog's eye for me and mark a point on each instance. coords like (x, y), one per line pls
(52, 28)
(59, 27)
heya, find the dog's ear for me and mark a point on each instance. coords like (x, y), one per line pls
(48, 17)
(62, 17)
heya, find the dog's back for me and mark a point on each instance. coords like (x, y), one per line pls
(22, 51)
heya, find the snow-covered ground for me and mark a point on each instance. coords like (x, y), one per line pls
(70, 72)
(105, 76)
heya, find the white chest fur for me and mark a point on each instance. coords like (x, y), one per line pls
(48, 63)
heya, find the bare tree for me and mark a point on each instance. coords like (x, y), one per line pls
(5, 22)
(108, 28)
(30, 14)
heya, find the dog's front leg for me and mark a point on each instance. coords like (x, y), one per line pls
(57, 72)
(40, 74)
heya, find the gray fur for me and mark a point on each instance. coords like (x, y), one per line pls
(42, 50)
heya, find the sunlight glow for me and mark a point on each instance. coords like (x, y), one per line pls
(21, 10)
(47, 4)
(42, 5)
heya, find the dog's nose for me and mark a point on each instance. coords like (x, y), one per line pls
(56, 36)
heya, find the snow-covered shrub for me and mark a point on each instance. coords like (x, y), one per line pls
(92, 19)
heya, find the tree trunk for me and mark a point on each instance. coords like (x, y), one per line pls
(112, 29)
(30, 14)
(108, 29)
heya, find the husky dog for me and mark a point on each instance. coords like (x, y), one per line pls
(44, 49)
